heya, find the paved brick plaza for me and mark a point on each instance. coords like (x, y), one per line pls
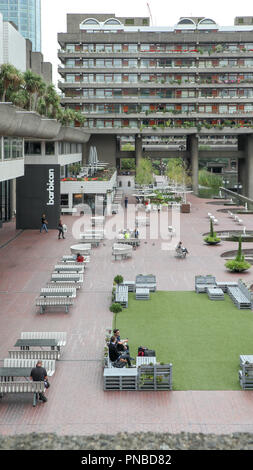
(76, 401)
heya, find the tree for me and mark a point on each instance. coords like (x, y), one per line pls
(144, 172)
(176, 172)
(10, 79)
(239, 264)
(35, 87)
(52, 101)
(118, 279)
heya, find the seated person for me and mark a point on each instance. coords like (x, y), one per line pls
(121, 344)
(127, 235)
(79, 258)
(181, 248)
(115, 354)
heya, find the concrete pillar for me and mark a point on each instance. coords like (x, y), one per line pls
(13, 196)
(193, 146)
(250, 166)
(138, 149)
(85, 154)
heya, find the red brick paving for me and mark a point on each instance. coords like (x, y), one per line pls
(76, 401)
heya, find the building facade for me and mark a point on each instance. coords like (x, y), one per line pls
(26, 15)
(12, 45)
(132, 79)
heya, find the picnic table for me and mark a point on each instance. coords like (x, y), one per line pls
(69, 268)
(41, 343)
(8, 373)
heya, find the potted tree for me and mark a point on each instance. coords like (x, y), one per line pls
(238, 264)
(212, 238)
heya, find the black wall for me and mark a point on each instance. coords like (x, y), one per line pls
(38, 192)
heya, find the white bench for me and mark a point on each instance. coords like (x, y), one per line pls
(75, 268)
(44, 302)
(22, 387)
(35, 354)
(67, 277)
(49, 365)
(58, 291)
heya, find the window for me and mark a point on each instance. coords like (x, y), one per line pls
(32, 148)
(90, 21)
(64, 200)
(50, 150)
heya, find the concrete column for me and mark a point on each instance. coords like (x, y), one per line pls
(193, 146)
(250, 166)
(138, 149)
(85, 154)
(242, 164)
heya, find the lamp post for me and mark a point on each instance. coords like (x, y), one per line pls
(225, 183)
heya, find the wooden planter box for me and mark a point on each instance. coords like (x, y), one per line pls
(185, 208)
(161, 377)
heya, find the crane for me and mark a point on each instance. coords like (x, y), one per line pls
(150, 14)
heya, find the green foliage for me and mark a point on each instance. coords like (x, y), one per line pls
(239, 264)
(144, 172)
(127, 163)
(176, 171)
(116, 308)
(210, 180)
(118, 279)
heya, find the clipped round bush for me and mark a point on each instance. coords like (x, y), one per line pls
(115, 308)
(118, 279)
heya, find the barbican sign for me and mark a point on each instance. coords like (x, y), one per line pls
(50, 188)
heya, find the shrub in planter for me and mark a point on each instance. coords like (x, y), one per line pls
(212, 238)
(239, 264)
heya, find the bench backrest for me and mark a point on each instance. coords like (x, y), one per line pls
(49, 365)
(21, 387)
(205, 279)
(30, 354)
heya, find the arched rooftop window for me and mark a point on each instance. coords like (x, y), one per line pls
(207, 21)
(90, 21)
(112, 21)
(186, 21)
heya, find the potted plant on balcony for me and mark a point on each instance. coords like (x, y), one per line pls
(238, 264)
(212, 238)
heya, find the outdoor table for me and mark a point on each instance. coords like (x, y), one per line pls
(8, 373)
(25, 344)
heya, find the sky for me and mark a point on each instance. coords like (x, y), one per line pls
(164, 13)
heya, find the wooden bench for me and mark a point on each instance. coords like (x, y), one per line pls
(122, 251)
(58, 291)
(45, 302)
(146, 282)
(246, 359)
(142, 293)
(155, 377)
(239, 298)
(67, 277)
(121, 295)
(246, 376)
(22, 387)
(49, 365)
(92, 241)
(60, 336)
(69, 268)
(130, 285)
(203, 282)
(120, 379)
(144, 360)
(64, 284)
(35, 354)
(215, 293)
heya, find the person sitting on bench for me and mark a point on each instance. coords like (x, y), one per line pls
(181, 248)
(121, 343)
(115, 355)
(79, 258)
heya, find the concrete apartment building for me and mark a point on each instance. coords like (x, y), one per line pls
(132, 80)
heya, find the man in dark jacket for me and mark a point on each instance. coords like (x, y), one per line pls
(116, 355)
(39, 374)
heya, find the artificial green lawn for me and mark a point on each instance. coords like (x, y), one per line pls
(203, 339)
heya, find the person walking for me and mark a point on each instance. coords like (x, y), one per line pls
(60, 230)
(126, 202)
(39, 374)
(44, 223)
